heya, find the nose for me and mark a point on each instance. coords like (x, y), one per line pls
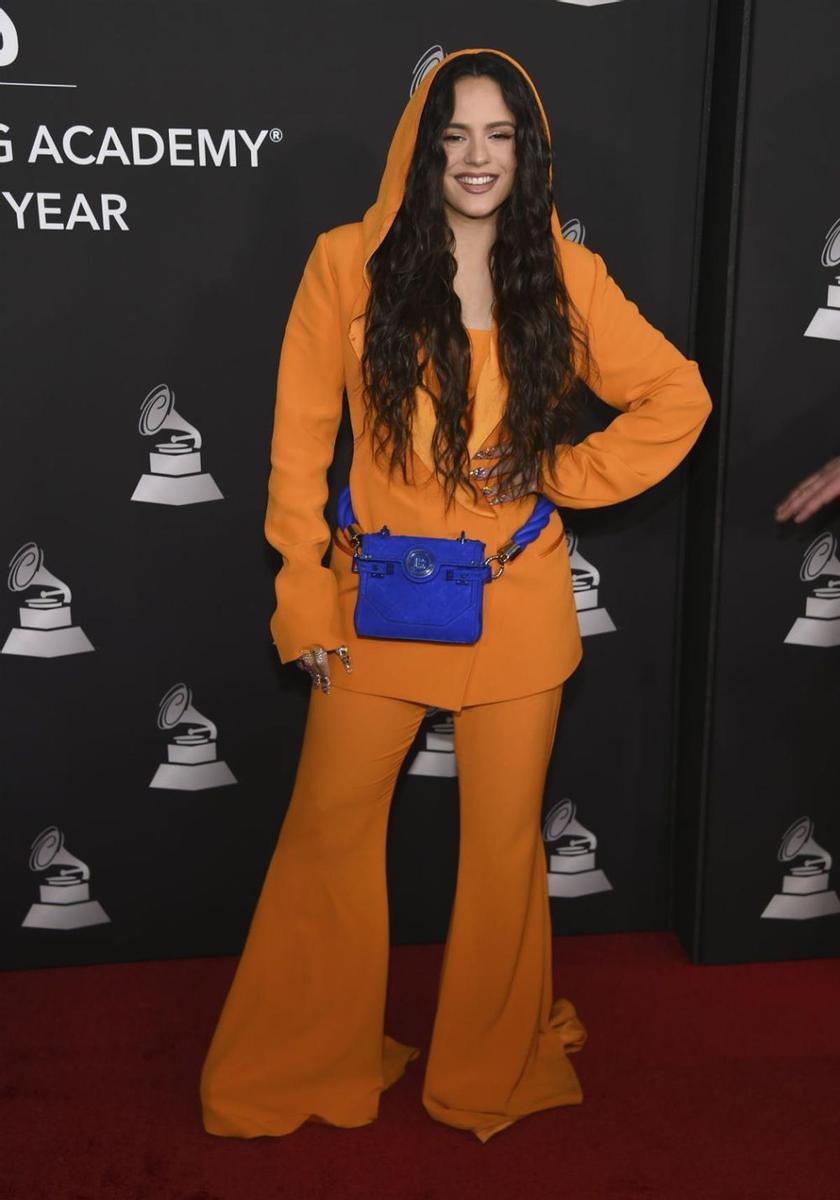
(476, 152)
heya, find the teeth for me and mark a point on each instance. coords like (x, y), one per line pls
(476, 178)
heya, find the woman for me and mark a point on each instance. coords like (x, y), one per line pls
(463, 327)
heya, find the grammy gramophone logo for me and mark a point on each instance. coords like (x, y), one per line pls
(436, 757)
(592, 618)
(46, 628)
(805, 885)
(821, 569)
(574, 230)
(9, 44)
(175, 475)
(192, 762)
(572, 870)
(825, 322)
(64, 889)
(427, 60)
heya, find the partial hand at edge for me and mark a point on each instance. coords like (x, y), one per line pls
(811, 494)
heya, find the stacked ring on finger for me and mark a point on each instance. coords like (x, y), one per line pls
(312, 659)
(308, 659)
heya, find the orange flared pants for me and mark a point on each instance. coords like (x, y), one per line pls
(300, 1036)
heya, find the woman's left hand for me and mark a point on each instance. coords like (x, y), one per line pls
(520, 484)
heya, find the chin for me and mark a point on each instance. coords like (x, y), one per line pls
(476, 211)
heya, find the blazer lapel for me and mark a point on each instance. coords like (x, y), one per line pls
(487, 406)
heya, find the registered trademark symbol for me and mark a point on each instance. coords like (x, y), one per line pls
(275, 134)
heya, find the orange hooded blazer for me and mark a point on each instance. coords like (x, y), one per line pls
(530, 639)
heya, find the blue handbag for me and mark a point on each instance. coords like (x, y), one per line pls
(426, 589)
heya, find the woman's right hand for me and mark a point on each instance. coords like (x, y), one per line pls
(315, 661)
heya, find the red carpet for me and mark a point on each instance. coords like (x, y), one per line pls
(699, 1083)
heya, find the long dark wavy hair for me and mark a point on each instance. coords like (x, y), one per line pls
(413, 315)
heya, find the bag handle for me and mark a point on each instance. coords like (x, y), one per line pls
(517, 542)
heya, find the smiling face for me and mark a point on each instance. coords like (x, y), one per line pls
(480, 149)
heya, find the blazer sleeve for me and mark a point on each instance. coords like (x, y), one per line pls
(661, 396)
(307, 414)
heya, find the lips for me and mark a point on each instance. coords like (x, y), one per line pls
(476, 183)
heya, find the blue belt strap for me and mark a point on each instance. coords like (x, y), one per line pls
(524, 534)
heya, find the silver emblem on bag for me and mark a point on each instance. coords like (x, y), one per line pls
(419, 562)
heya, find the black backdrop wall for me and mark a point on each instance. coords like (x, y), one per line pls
(164, 171)
(759, 813)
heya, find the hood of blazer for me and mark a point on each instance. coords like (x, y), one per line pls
(491, 390)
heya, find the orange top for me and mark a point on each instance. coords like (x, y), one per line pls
(661, 402)
(479, 349)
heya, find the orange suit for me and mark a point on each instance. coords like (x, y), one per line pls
(300, 1034)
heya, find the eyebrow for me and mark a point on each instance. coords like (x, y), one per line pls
(489, 125)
